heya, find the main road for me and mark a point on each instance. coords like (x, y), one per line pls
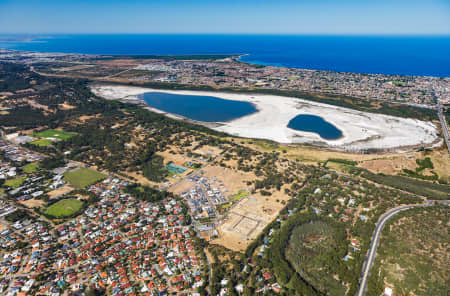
(444, 125)
(374, 243)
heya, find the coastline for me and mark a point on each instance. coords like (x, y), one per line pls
(352, 54)
(360, 130)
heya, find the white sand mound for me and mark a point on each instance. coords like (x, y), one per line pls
(361, 130)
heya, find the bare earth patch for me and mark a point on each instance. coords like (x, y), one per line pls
(232, 180)
(60, 191)
(2, 227)
(247, 219)
(181, 187)
(33, 203)
(65, 106)
(140, 179)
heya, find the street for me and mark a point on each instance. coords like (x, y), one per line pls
(444, 125)
(374, 244)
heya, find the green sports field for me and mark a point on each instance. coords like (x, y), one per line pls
(50, 133)
(42, 142)
(30, 168)
(83, 177)
(64, 208)
(14, 183)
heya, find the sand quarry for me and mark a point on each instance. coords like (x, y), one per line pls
(361, 130)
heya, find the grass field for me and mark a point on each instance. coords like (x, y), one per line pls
(30, 168)
(83, 177)
(239, 195)
(42, 142)
(64, 208)
(54, 134)
(14, 183)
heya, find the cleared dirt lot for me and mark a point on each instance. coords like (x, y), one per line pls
(178, 159)
(247, 219)
(60, 191)
(33, 203)
(140, 179)
(232, 180)
(2, 227)
(183, 186)
(208, 151)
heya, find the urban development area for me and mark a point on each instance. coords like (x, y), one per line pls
(105, 197)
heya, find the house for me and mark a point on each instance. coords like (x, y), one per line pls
(276, 288)
(388, 291)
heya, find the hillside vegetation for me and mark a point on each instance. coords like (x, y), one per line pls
(413, 254)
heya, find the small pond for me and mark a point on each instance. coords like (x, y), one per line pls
(315, 124)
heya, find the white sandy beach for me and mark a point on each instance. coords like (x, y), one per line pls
(361, 130)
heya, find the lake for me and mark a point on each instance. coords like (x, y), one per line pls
(199, 108)
(214, 109)
(315, 124)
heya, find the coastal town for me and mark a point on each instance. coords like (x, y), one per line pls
(230, 72)
(115, 241)
(104, 197)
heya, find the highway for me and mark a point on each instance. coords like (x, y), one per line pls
(374, 244)
(444, 125)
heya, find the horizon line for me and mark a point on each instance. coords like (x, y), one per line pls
(230, 33)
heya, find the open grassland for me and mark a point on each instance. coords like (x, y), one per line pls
(441, 160)
(438, 160)
(83, 177)
(54, 134)
(389, 163)
(64, 208)
(413, 254)
(416, 186)
(30, 168)
(14, 183)
(305, 153)
(42, 142)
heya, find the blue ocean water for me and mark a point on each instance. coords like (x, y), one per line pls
(405, 55)
(315, 124)
(200, 108)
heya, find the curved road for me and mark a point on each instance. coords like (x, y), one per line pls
(374, 243)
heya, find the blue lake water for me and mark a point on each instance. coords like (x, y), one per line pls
(200, 108)
(405, 55)
(315, 124)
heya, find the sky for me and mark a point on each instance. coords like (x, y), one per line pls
(334, 17)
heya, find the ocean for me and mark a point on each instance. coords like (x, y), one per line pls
(403, 55)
